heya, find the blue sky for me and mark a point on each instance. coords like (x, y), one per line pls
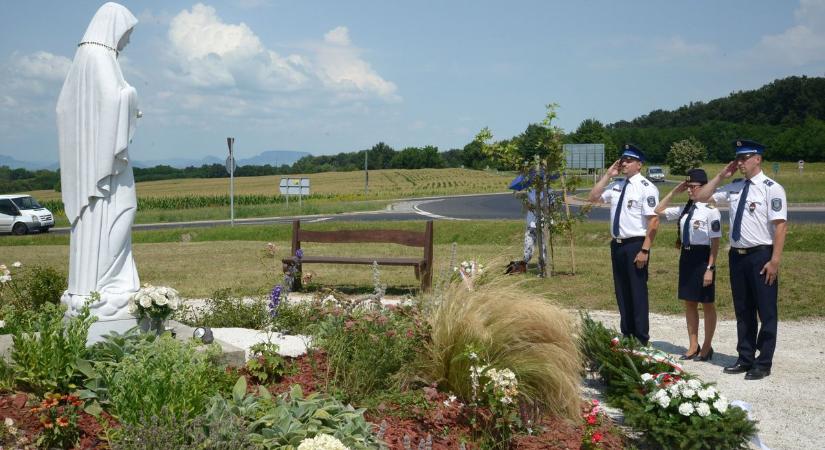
(332, 76)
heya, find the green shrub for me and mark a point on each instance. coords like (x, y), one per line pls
(365, 349)
(163, 373)
(45, 357)
(225, 311)
(30, 287)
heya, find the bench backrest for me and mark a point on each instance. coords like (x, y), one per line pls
(402, 237)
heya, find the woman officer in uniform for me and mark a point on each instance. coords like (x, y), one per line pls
(699, 230)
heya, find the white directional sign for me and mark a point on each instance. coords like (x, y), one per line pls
(230, 165)
(294, 186)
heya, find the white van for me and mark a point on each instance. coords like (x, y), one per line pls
(20, 214)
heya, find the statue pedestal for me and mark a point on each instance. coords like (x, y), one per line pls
(104, 327)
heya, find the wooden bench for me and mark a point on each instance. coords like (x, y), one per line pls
(423, 266)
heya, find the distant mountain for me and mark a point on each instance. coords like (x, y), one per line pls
(271, 157)
(178, 163)
(28, 165)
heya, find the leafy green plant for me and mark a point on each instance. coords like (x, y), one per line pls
(293, 417)
(163, 373)
(365, 349)
(58, 415)
(265, 363)
(24, 290)
(225, 310)
(45, 357)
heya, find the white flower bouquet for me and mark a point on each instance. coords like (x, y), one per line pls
(322, 442)
(154, 302)
(685, 397)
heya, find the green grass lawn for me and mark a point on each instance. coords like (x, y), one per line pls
(213, 258)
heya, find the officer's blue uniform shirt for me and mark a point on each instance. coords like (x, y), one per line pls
(705, 223)
(766, 202)
(639, 201)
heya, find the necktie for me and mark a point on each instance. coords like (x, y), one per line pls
(686, 228)
(736, 232)
(619, 207)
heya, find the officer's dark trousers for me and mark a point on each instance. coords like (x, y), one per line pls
(753, 299)
(631, 289)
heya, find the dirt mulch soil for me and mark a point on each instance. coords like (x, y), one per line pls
(18, 406)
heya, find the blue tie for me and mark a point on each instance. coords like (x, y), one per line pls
(686, 228)
(736, 232)
(619, 207)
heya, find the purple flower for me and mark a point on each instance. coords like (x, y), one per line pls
(299, 254)
(275, 300)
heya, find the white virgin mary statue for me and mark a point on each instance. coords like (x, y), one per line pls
(96, 117)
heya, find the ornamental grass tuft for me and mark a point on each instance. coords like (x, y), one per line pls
(513, 329)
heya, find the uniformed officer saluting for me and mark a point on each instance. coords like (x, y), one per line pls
(758, 221)
(699, 229)
(633, 225)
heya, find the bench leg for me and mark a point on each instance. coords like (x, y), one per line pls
(426, 278)
(417, 273)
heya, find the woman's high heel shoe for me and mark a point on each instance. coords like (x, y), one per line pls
(692, 355)
(707, 357)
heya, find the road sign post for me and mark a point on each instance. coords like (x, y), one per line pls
(230, 167)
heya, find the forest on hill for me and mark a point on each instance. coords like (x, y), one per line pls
(787, 115)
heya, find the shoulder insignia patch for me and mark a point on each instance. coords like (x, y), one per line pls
(715, 226)
(776, 204)
(645, 183)
(769, 182)
(651, 201)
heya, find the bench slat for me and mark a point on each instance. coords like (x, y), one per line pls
(348, 260)
(408, 238)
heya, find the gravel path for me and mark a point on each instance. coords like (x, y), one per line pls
(789, 404)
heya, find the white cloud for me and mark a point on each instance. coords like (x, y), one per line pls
(210, 54)
(800, 44)
(29, 85)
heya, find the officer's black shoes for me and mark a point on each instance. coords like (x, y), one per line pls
(737, 368)
(692, 355)
(757, 374)
(707, 357)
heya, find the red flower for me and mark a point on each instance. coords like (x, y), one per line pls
(46, 423)
(62, 422)
(591, 420)
(597, 437)
(410, 334)
(390, 333)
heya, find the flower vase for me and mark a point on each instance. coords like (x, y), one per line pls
(156, 325)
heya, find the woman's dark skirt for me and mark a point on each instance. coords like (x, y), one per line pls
(692, 266)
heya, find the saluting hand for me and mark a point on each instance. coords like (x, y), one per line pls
(641, 260)
(681, 187)
(614, 168)
(730, 169)
(771, 271)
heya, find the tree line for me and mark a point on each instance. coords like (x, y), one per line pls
(787, 115)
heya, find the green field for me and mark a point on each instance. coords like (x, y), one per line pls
(207, 259)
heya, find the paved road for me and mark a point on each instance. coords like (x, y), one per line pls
(465, 207)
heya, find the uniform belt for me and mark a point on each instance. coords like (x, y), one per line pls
(695, 247)
(745, 251)
(628, 240)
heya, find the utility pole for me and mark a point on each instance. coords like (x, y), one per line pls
(366, 174)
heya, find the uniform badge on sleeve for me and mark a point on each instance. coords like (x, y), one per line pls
(715, 226)
(776, 204)
(651, 201)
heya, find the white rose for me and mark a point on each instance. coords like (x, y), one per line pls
(646, 377)
(686, 409)
(688, 393)
(17, 264)
(694, 384)
(664, 401)
(702, 409)
(711, 392)
(721, 405)
(704, 394)
(5, 278)
(145, 301)
(158, 298)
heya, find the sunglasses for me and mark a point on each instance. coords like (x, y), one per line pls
(745, 156)
(694, 186)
